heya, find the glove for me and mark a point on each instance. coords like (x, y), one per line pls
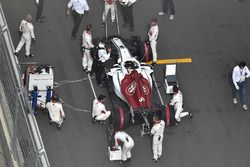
(237, 87)
(33, 40)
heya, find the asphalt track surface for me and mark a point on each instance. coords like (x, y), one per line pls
(214, 33)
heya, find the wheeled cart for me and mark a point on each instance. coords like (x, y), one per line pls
(39, 80)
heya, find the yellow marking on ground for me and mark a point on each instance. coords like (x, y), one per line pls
(172, 61)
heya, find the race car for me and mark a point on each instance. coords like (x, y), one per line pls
(133, 90)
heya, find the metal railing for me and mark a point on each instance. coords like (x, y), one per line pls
(22, 138)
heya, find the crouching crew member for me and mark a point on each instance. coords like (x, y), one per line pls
(128, 144)
(158, 132)
(177, 102)
(152, 36)
(87, 44)
(99, 112)
(56, 113)
(103, 56)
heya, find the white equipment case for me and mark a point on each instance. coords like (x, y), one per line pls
(170, 78)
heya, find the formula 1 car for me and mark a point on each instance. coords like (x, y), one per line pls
(133, 90)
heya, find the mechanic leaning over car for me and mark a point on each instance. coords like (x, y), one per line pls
(99, 112)
(128, 144)
(177, 102)
(152, 37)
(86, 46)
(103, 56)
(158, 132)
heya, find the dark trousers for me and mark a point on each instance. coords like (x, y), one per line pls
(99, 71)
(168, 4)
(242, 92)
(127, 15)
(39, 9)
(77, 21)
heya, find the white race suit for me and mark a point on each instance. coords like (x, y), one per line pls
(177, 102)
(153, 35)
(99, 111)
(158, 132)
(128, 144)
(109, 5)
(56, 112)
(87, 44)
(27, 30)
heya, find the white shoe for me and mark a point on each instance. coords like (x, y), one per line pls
(162, 13)
(234, 100)
(171, 17)
(244, 107)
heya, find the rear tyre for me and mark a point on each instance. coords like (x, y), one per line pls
(121, 119)
(168, 115)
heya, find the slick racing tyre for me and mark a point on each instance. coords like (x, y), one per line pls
(121, 119)
(168, 115)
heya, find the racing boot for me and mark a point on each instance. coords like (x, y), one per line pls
(190, 115)
(123, 163)
(16, 54)
(31, 55)
(128, 161)
(59, 126)
(93, 120)
(113, 24)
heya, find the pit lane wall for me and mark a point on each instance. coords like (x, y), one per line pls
(21, 142)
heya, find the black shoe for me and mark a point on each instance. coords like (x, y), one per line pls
(58, 127)
(101, 85)
(123, 163)
(131, 28)
(93, 120)
(16, 54)
(103, 24)
(84, 69)
(27, 56)
(40, 21)
(31, 55)
(154, 160)
(177, 123)
(190, 115)
(128, 161)
(153, 63)
(88, 72)
(42, 17)
(113, 24)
